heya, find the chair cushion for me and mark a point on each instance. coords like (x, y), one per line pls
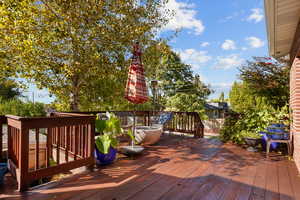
(165, 117)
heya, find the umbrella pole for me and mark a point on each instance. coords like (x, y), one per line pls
(134, 113)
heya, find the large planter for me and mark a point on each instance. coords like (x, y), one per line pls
(131, 150)
(105, 159)
(148, 134)
(253, 142)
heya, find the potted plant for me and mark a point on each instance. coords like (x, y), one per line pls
(107, 142)
(251, 138)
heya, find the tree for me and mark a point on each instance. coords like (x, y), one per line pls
(222, 98)
(268, 78)
(242, 98)
(181, 89)
(174, 75)
(78, 50)
(8, 89)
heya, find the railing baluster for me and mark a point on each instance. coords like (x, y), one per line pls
(9, 145)
(48, 146)
(73, 139)
(86, 131)
(76, 143)
(80, 140)
(37, 148)
(57, 145)
(68, 143)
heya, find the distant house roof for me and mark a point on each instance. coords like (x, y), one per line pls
(216, 106)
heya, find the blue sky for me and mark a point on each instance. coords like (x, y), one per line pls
(216, 36)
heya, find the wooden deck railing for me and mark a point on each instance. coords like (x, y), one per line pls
(183, 122)
(45, 146)
(56, 144)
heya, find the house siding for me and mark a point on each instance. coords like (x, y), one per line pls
(295, 107)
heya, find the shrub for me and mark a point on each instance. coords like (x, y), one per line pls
(20, 108)
(251, 122)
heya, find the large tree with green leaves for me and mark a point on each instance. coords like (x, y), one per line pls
(78, 50)
(268, 78)
(242, 98)
(181, 89)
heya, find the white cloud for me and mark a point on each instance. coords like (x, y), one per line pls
(255, 42)
(194, 57)
(221, 85)
(244, 48)
(228, 62)
(233, 16)
(184, 17)
(204, 44)
(228, 45)
(256, 15)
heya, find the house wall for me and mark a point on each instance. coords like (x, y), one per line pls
(295, 106)
(213, 126)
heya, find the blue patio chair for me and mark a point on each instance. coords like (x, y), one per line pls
(276, 133)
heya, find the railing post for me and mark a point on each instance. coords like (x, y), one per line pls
(91, 133)
(199, 127)
(23, 159)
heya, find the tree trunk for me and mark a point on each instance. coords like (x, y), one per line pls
(75, 102)
(75, 94)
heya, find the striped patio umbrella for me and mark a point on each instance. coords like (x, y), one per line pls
(136, 89)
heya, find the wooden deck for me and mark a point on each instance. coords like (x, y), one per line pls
(180, 168)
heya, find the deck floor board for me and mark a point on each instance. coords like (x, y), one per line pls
(179, 168)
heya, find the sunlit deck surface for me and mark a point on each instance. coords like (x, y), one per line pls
(180, 168)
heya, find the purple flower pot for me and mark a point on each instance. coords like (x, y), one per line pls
(264, 138)
(3, 170)
(105, 159)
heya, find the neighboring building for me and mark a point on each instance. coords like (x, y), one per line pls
(216, 115)
(283, 27)
(216, 110)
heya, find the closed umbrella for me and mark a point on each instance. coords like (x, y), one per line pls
(136, 89)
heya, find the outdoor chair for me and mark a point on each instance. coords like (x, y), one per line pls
(277, 133)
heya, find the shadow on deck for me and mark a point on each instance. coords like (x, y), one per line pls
(180, 168)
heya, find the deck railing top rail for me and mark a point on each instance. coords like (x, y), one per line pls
(184, 122)
(48, 122)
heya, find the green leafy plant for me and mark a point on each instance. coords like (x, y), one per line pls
(109, 129)
(251, 122)
(250, 134)
(131, 135)
(21, 108)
